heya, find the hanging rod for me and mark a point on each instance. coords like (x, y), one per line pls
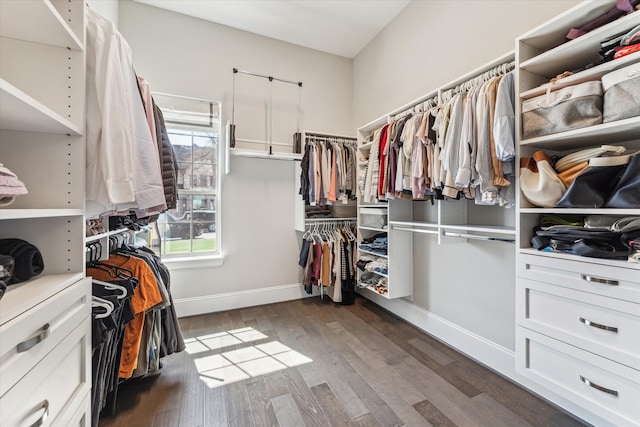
(424, 104)
(326, 135)
(416, 230)
(270, 78)
(476, 237)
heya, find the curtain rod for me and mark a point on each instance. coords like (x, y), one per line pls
(270, 78)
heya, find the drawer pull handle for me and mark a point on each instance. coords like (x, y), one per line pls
(598, 387)
(598, 325)
(594, 279)
(39, 337)
(44, 416)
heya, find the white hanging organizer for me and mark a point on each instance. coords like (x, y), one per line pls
(230, 130)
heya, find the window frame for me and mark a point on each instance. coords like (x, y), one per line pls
(193, 258)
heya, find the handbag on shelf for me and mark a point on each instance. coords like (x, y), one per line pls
(626, 194)
(621, 93)
(539, 182)
(573, 164)
(594, 185)
(569, 108)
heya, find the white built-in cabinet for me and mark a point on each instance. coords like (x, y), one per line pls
(578, 319)
(450, 222)
(45, 337)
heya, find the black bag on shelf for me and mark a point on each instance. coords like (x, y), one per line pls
(28, 259)
(594, 185)
(626, 194)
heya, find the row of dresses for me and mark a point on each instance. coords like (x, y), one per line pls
(131, 340)
(462, 148)
(328, 172)
(130, 161)
(328, 261)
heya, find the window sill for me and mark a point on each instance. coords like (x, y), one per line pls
(194, 261)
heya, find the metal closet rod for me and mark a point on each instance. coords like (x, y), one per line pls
(270, 78)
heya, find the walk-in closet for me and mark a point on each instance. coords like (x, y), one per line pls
(318, 213)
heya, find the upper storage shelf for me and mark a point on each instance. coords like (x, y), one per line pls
(609, 133)
(544, 50)
(42, 23)
(19, 111)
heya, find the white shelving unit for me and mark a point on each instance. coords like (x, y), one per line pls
(574, 314)
(42, 120)
(302, 221)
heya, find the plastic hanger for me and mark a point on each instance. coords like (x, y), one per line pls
(102, 303)
(112, 287)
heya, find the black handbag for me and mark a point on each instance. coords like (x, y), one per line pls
(626, 194)
(594, 185)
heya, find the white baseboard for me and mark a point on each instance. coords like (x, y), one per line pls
(232, 300)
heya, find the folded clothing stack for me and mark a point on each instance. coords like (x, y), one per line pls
(27, 258)
(373, 281)
(6, 271)
(594, 236)
(373, 263)
(376, 244)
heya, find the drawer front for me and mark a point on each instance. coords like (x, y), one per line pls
(57, 383)
(614, 282)
(26, 339)
(605, 326)
(81, 417)
(605, 388)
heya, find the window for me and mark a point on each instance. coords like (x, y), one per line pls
(192, 228)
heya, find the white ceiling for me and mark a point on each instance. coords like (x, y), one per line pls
(341, 27)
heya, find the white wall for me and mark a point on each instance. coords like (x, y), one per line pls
(186, 56)
(106, 8)
(471, 285)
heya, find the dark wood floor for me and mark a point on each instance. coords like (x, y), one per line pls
(368, 368)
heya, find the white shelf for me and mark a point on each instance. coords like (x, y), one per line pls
(7, 213)
(40, 23)
(374, 206)
(579, 52)
(365, 147)
(579, 211)
(21, 112)
(611, 133)
(372, 289)
(599, 261)
(488, 229)
(22, 296)
(591, 74)
(382, 230)
(307, 220)
(369, 210)
(373, 253)
(264, 155)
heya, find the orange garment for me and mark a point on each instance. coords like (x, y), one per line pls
(333, 194)
(145, 296)
(326, 265)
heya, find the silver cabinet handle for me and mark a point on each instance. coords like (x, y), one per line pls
(44, 416)
(600, 280)
(39, 337)
(598, 325)
(598, 387)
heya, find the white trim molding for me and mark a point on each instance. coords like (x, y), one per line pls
(239, 299)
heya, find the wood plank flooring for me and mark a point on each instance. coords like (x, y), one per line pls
(312, 363)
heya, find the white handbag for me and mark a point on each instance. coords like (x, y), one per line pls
(539, 182)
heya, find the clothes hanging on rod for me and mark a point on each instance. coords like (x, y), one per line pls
(463, 148)
(328, 170)
(327, 257)
(142, 326)
(125, 157)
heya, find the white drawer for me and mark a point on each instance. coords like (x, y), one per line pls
(614, 282)
(39, 330)
(605, 388)
(55, 386)
(81, 417)
(605, 326)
